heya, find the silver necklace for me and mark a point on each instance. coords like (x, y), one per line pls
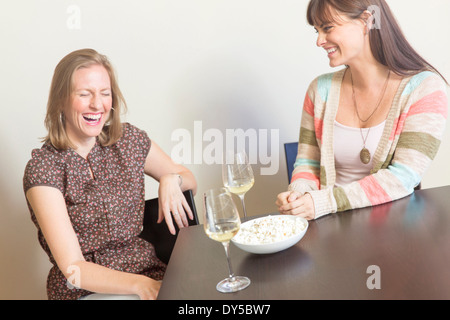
(364, 154)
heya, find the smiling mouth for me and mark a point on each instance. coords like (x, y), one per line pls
(92, 119)
(331, 50)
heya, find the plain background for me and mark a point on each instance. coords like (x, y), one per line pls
(231, 64)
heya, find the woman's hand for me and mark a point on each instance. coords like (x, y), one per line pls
(147, 288)
(173, 180)
(294, 203)
(173, 206)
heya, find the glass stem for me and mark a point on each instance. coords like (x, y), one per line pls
(226, 245)
(243, 205)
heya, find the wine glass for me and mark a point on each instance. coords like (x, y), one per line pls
(221, 223)
(238, 176)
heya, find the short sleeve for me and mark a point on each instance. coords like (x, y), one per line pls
(136, 142)
(43, 169)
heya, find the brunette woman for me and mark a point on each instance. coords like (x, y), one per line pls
(370, 130)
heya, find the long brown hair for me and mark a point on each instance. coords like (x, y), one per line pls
(60, 92)
(387, 41)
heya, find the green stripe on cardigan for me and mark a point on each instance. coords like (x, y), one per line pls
(308, 137)
(420, 141)
(342, 201)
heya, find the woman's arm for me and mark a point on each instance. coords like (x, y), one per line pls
(306, 174)
(51, 213)
(173, 180)
(416, 137)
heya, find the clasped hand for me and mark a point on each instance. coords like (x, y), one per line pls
(294, 203)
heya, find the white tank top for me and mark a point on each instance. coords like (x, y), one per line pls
(348, 143)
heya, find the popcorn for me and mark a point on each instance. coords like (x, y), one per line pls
(269, 230)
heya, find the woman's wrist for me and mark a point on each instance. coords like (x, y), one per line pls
(172, 178)
(180, 179)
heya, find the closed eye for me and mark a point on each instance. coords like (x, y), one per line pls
(106, 92)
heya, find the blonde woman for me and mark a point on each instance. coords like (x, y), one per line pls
(85, 187)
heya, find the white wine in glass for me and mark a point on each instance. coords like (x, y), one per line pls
(238, 176)
(221, 223)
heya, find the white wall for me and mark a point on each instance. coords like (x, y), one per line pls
(227, 63)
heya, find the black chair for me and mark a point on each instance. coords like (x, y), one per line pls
(290, 150)
(158, 234)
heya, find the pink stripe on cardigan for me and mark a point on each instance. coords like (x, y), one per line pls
(435, 102)
(308, 107)
(374, 192)
(307, 176)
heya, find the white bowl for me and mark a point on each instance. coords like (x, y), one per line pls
(268, 245)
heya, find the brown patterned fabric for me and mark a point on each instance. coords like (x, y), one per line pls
(106, 212)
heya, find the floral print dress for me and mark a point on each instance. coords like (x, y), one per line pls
(106, 211)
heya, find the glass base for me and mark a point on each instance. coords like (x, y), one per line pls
(233, 284)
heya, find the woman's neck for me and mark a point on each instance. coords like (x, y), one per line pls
(368, 76)
(83, 148)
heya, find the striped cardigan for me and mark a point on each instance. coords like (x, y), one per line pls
(411, 138)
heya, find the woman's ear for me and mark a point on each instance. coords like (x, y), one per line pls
(368, 19)
(372, 17)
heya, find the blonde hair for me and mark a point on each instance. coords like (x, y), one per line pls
(60, 95)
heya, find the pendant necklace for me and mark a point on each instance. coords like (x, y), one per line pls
(364, 154)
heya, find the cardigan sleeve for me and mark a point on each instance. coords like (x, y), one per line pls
(414, 141)
(306, 173)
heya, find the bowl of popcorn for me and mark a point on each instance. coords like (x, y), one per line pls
(270, 234)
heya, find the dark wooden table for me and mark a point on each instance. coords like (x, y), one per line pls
(402, 246)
